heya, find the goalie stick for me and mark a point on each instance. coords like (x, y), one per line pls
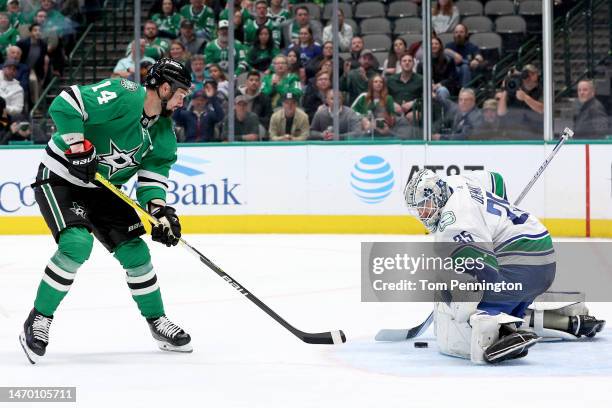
(333, 337)
(416, 331)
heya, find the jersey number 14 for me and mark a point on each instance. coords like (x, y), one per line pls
(105, 96)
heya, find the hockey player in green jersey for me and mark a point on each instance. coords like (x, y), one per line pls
(119, 129)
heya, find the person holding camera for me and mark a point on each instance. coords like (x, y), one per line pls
(520, 105)
(377, 107)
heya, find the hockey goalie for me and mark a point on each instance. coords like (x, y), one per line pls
(472, 211)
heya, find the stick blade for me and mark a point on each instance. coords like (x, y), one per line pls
(333, 337)
(392, 335)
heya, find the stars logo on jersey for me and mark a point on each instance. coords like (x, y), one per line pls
(119, 159)
(129, 85)
(78, 210)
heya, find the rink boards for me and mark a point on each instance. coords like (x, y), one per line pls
(343, 188)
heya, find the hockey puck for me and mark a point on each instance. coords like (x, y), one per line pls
(420, 344)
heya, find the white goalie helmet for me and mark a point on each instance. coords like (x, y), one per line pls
(425, 194)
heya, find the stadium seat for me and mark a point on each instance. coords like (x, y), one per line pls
(370, 9)
(469, 8)
(411, 38)
(376, 25)
(353, 25)
(498, 8)
(446, 38)
(401, 9)
(313, 9)
(531, 11)
(478, 24)
(329, 8)
(377, 42)
(381, 57)
(408, 25)
(490, 45)
(513, 30)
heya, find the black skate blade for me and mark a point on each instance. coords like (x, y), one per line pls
(32, 357)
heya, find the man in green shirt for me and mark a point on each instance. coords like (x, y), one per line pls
(121, 130)
(355, 82)
(216, 52)
(281, 82)
(261, 19)
(203, 18)
(155, 47)
(405, 87)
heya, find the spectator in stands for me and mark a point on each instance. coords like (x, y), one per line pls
(315, 94)
(218, 76)
(291, 31)
(55, 46)
(144, 68)
(258, 103)
(295, 65)
(179, 53)
(15, 14)
(322, 123)
(490, 127)
(521, 108)
(168, 21)
(444, 16)
(345, 35)
(464, 117)
(217, 51)
(290, 122)
(155, 47)
(466, 55)
(10, 89)
(198, 74)
(252, 27)
(246, 123)
(242, 6)
(31, 52)
(307, 47)
(392, 63)
(281, 82)
(8, 34)
(590, 119)
(192, 43)
(263, 50)
(444, 76)
(355, 82)
(315, 64)
(376, 106)
(356, 49)
(21, 131)
(125, 66)
(406, 88)
(239, 26)
(197, 124)
(5, 121)
(26, 77)
(202, 17)
(278, 13)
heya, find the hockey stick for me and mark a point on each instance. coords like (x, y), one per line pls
(407, 334)
(333, 337)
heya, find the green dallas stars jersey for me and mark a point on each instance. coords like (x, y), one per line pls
(214, 54)
(108, 114)
(169, 24)
(203, 21)
(250, 31)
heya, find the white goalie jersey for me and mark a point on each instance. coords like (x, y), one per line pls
(474, 213)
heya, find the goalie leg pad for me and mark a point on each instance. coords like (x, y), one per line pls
(560, 304)
(485, 332)
(452, 329)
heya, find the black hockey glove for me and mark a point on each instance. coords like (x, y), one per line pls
(168, 231)
(83, 165)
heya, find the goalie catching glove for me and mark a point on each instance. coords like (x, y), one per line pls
(168, 231)
(83, 164)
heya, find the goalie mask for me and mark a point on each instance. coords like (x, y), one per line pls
(425, 194)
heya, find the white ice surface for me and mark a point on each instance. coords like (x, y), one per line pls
(242, 358)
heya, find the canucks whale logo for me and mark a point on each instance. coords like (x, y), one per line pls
(372, 179)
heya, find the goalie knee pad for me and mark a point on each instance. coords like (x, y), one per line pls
(452, 329)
